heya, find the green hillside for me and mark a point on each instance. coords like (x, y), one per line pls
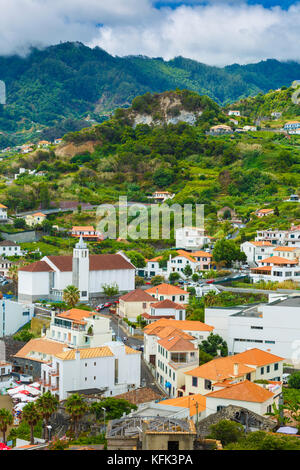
(97, 165)
(71, 81)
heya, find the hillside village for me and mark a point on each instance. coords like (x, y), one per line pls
(189, 331)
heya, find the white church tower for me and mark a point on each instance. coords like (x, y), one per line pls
(81, 269)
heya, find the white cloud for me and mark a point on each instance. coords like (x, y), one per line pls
(217, 33)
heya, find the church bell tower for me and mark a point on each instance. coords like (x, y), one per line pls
(81, 269)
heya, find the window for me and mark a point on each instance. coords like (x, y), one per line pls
(207, 384)
(257, 327)
(220, 407)
(262, 370)
(195, 381)
(276, 366)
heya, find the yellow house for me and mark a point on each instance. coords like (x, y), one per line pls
(35, 219)
(134, 303)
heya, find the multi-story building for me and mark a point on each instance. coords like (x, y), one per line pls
(276, 237)
(292, 125)
(198, 261)
(273, 327)
(276, 269)
(165, 327)
(165, 309)
(35, 219)
(13, 316)
(111, 369)
(257, 250)
(79, 328)
(86, 232)
(293, 236)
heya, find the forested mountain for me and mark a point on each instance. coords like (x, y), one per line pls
(71, 81)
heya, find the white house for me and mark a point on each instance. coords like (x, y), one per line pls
(79, 328)
(276, 269)
(246, 394)
(13, 316)
(133, 304)
(9, 248)
(46, 279)
(198, 261)
(292, 125)
(167, 291)
(293, 236)
(35, 219)
(161, 196)
(152, 268)
(3, 213)
(252, 364)
(191, 238)
(86, 232)
(233, 112)
(163, 309)
(257, 250)
(273, 327)
(113, 369)
(276, 237)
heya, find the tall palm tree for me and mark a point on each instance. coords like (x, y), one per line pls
(47, 404)
(210, 299)
(6, 419)
(76, 408)
(31, 415)
(71, 296)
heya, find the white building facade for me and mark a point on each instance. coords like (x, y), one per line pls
(13, 316)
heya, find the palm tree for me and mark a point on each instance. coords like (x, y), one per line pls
(6, 419)
(71, 296)
(76, 408)
(210, 299)
(31, 415)
(47, 404)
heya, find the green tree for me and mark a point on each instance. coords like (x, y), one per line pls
(227, 251)
(71, 296)
(260, 440)
(115, 408)
(195, 277)
(226, 431)
(6, 419)
(136, 258)
(110, 290)
(47, 404)
(213, 343)
(294, 380)
(19, 223)
(156, 280)
(174, 277)
(76, 407)
(31, 415)
(187, 271)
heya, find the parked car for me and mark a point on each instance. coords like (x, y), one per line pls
(107, 304)
(99, 307)
(210, 281)
(245, 266)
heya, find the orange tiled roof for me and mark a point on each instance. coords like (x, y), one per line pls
(243, 391)
(76, 314)
(2, 206)
(190, 402)
(88, 228)
(201, 254)
(166, 289)
(265, 211)
(39, 214)
(85, 353)
(167, 304)
(220, 369)
(278, 260)
(261, 243)
(286, 248)
(40, 345)
(257, 357)
(167, 331)
(187, 325)
(137, 295)
(176, 343)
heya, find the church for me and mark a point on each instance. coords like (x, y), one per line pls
(46, 279)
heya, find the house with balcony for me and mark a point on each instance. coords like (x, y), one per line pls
(252, 364)
(276, 269)
(153, 268)
(87, 233)
(195, 331)
(175, 356)
(276, 237)
(111, 369)
(293, 236)
(292, 126)
(257, 250)
(198, 261)
(78, 328)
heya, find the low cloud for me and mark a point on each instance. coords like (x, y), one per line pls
(215, 32)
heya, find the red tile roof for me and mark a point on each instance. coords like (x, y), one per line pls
(167, 304)
(243, 391)
(137, 295)
(38, 266)
(166, 289)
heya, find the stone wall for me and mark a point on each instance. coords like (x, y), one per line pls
(238, 414)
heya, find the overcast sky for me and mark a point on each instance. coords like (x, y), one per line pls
(216, 32)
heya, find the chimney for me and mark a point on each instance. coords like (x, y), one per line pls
(157, 293)
(77, 355)
(235, 369)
